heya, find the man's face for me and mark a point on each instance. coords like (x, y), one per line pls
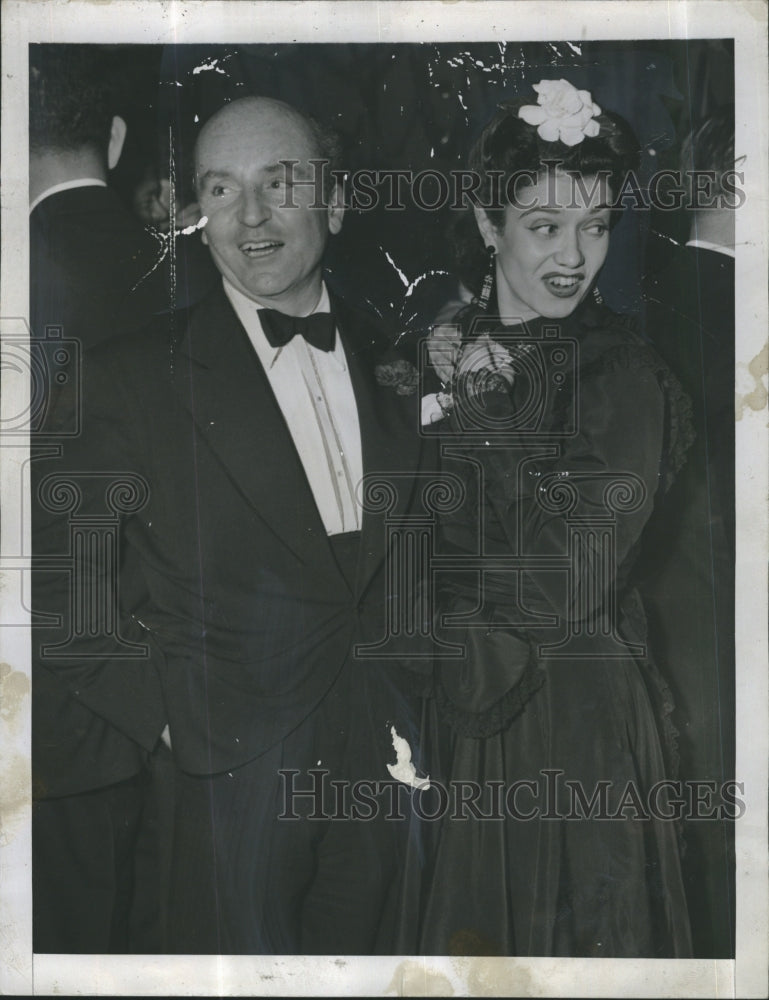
(263, 235)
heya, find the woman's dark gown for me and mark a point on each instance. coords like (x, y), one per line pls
(569, 493)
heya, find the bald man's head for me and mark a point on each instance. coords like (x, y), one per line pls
(250, 110)
(267, 223)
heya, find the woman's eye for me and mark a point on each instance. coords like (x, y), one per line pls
(598, 228)
(218, 190)
(544, 228)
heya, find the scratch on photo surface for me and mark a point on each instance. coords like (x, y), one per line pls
(395, 267)
(167, 241)
(213, 64)
(403, 769)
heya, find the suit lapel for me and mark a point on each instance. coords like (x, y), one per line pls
(390, 440)
(220, 381)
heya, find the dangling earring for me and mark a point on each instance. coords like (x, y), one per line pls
(488, 281)
(597, 297)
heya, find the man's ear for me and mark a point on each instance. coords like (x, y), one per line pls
(116, 139)
(336, 210)
(486, 229)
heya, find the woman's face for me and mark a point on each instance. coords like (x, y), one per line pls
(551, 246)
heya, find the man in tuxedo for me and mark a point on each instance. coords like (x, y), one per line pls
(250, 572)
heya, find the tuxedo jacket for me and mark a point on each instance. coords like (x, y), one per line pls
(227, 577)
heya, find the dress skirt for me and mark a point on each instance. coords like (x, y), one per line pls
(534, 868)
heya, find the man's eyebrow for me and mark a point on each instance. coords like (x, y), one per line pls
(286, 168)
(214, 175)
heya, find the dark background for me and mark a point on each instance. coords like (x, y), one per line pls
(418, 106)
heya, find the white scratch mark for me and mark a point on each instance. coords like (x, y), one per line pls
(403, 770)
(188, 230)
(421, 278)
(401, 275)
(167, 240)
(213, 64)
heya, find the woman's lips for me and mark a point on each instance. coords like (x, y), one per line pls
(260, 248)
(563, 285)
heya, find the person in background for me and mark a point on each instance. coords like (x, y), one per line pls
(94, 269)
(87, 254)
(155, 198)
(687, 583)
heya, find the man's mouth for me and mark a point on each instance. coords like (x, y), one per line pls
(563, 285)
(260, 248)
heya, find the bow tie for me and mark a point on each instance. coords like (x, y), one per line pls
(317, 329)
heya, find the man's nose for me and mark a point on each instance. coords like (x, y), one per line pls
(253, 209)
(569, 252)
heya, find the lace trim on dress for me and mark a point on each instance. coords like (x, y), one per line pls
(480, 725)
(680, 431)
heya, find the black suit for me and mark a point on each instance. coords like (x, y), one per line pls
(94, 272)
(229, 577)
(688, 588)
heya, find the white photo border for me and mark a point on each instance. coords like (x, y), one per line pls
(165, 22)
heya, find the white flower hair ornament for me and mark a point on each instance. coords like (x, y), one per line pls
(562, 113)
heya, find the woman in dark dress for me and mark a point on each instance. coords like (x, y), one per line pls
(563, 428)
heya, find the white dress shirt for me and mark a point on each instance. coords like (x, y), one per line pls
(314, 392)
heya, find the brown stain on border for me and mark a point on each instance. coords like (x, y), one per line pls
(14, 797)
(758, 397)
(413, 978)
(495, 977)
(14, 689)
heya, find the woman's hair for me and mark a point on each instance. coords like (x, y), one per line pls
(509, 146)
